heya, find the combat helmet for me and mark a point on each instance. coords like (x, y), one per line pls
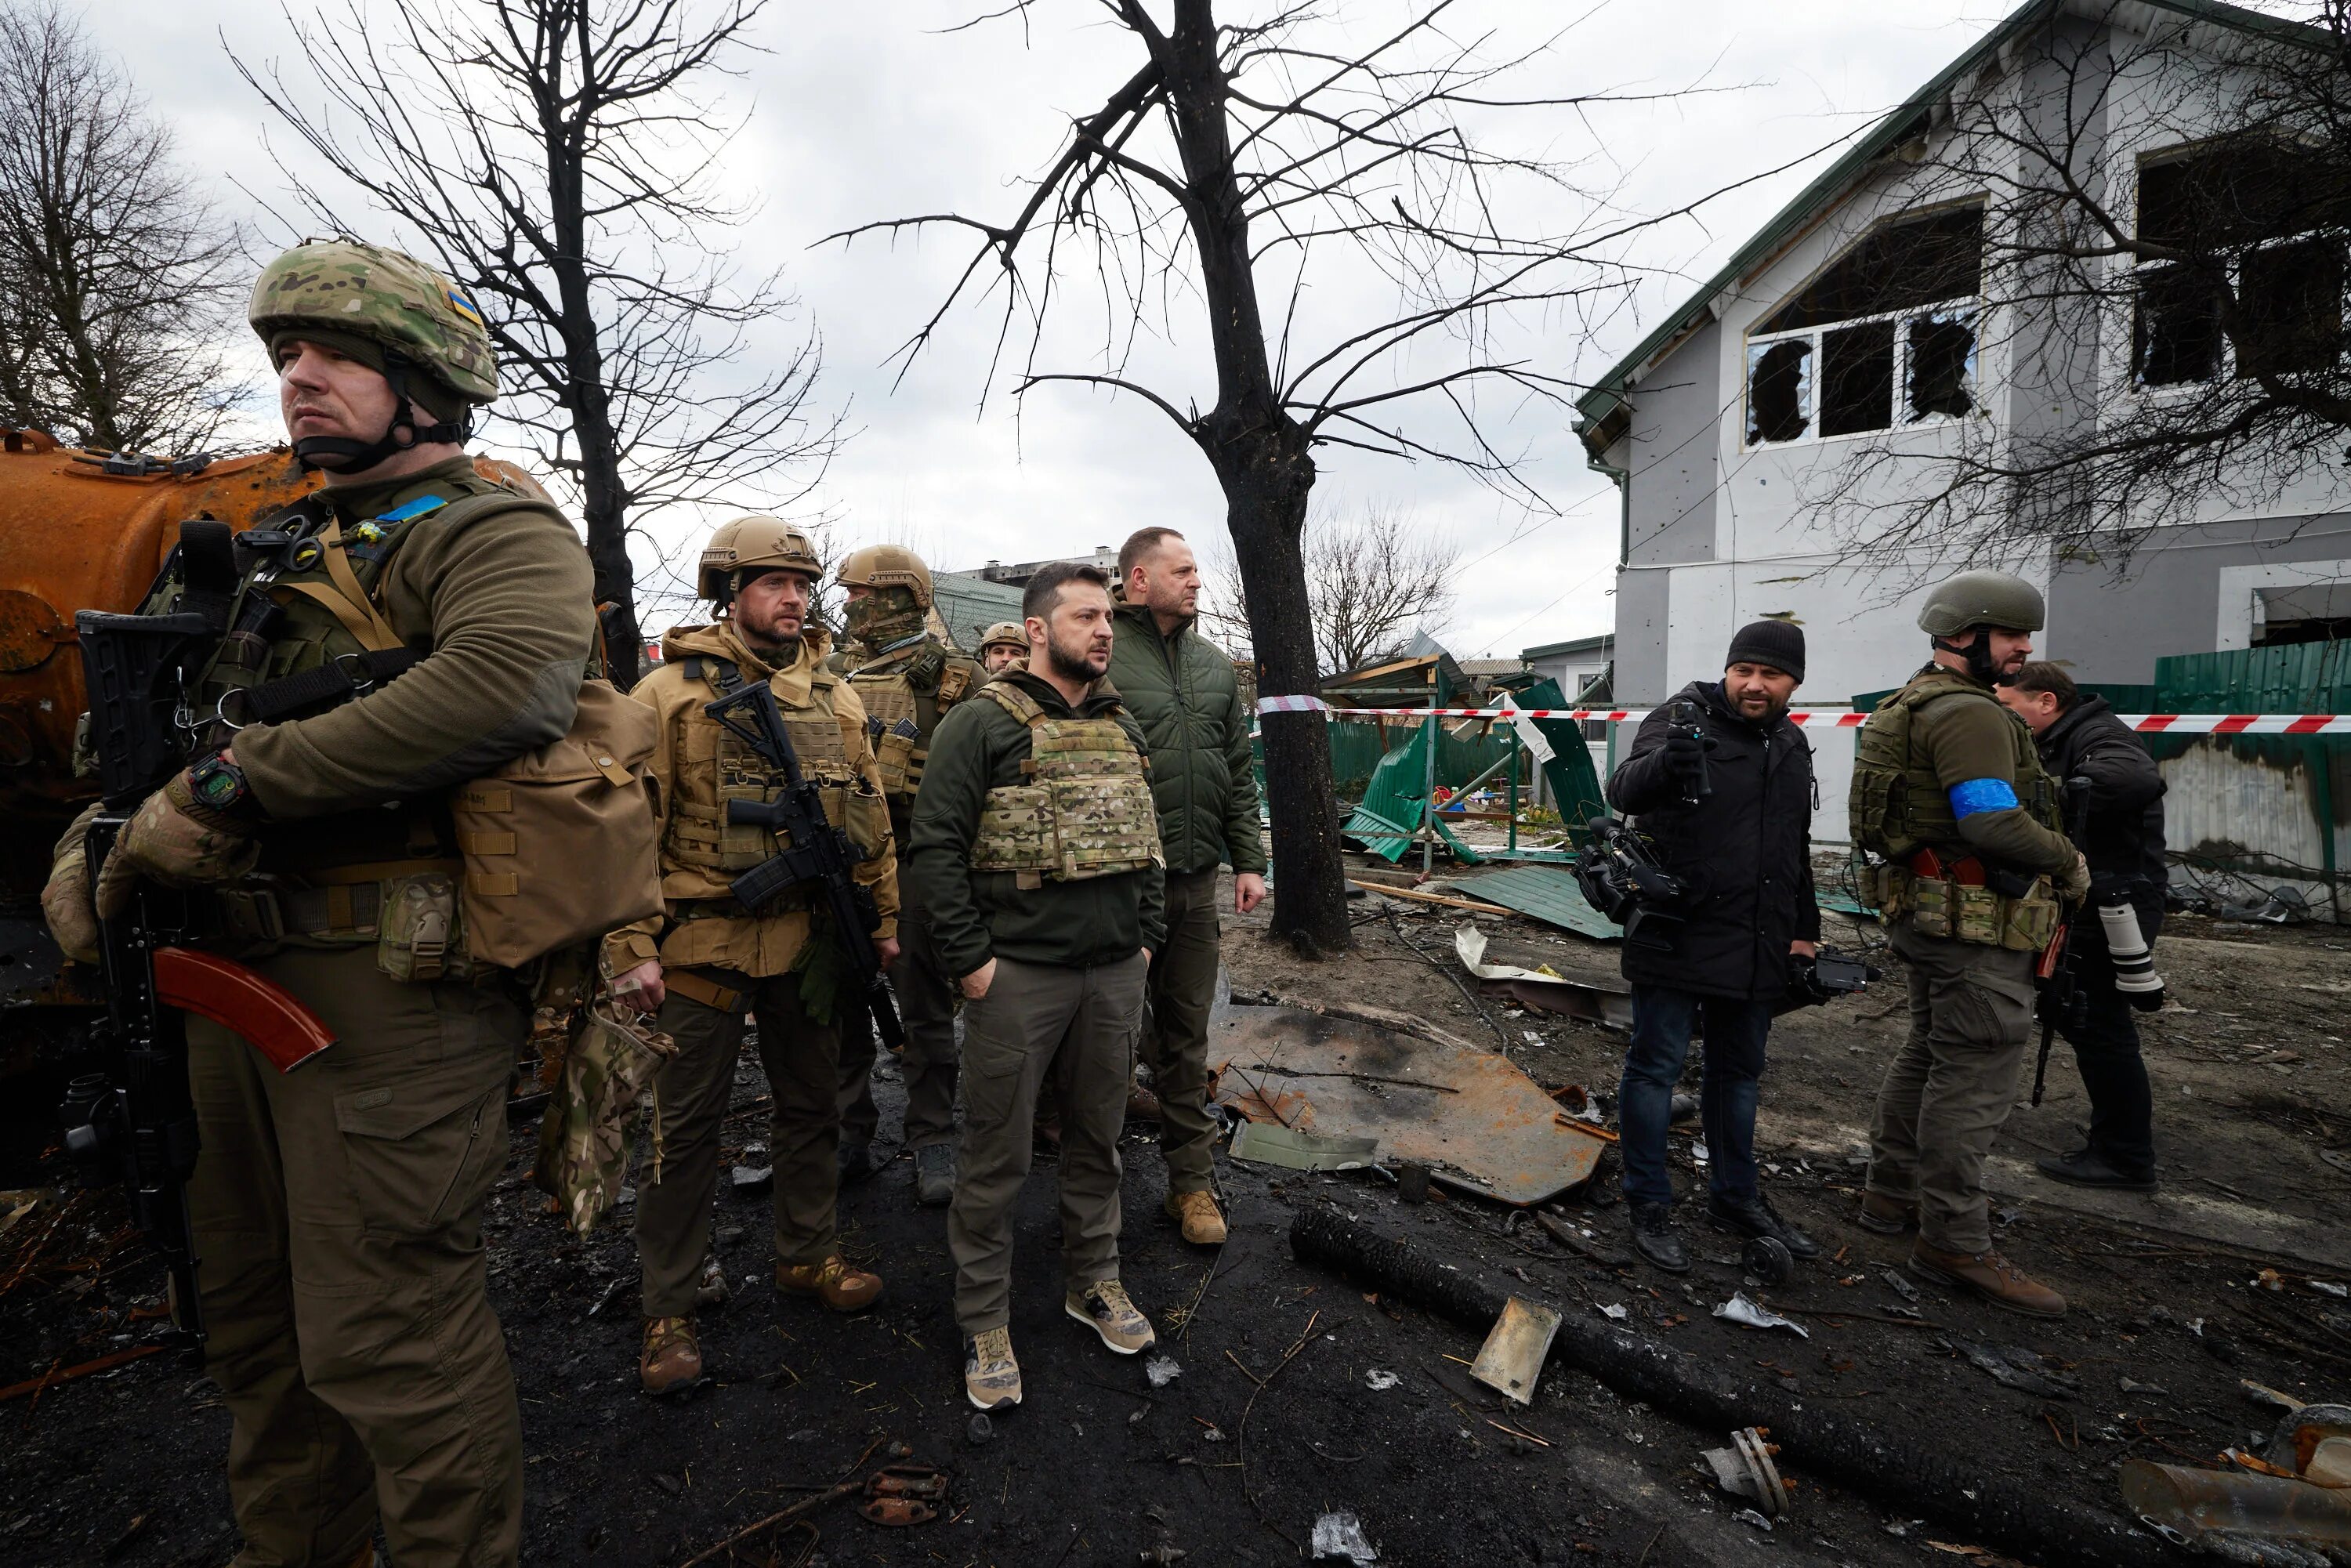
(752, 544)
(1987, 599)
(887, 566)
(1006, 633)
(393, 313)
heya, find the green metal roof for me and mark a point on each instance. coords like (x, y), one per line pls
(1573, 645)
(1608, 396)
(970, 604)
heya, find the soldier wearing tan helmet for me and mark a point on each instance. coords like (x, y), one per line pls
(336, 1207)
(1002, 646)
(707, 962)
(1971, 864)
(907, 677)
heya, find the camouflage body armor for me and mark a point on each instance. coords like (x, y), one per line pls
(1088, 811)
(906, 692)
(1901, 815)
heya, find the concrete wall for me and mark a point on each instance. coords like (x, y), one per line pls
(2190, 591)
(1673, 460)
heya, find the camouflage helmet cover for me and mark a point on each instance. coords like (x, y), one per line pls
(753, 542)
(887, 566)
(1004, 634)
(1982, 599)
(390, 301)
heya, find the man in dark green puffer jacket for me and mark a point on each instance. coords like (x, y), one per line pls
(1180, 688)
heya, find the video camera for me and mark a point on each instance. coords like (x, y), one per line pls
(1621, 878)
(1825, 977)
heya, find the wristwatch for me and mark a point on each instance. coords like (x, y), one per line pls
(219, 785)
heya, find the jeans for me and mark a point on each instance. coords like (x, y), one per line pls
(2107, 1050)
(1735, 1032)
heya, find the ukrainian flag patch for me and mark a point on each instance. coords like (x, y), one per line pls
(465, 308)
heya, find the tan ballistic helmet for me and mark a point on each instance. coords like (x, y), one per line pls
(1007, 634)
(887, 566)
(391, 301)
(752, 542)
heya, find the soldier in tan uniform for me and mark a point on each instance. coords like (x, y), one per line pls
(908, 679)
(1950, 799)
(1002, 646)
(336, 1207)
(709, 961)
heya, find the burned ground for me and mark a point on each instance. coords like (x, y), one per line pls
(1275, 1419)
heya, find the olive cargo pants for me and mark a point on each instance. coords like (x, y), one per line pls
(1176, 1044)
(1078, 1026)
(926, 998)
(1948, 1092)
(691, 1090)
(338, 1215)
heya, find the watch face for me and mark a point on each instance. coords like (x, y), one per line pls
(216, 785)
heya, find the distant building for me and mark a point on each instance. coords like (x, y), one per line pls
(1574, 664)
(970, 604)
(1017, 574)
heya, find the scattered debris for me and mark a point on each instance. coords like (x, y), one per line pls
(1338, 1538)
(1161, 1369)
(1544, 989)
(1748, 1516)
(1575, 1240)
(56, 1376)
(18, 1202)
(979, 1430)
(1767, 1258)
(1900, 1285)
(1740, 1309)
(754, 1178)
(2266, 1394)
(1511, 1359)
(1615, 1311)
(904, 1494)
(1411, 1182)
(1264, 1145)
(1379, 1381)
(2133, 1386)
(2014, 1367)
(1745, 1470)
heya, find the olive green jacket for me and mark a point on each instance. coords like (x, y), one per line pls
(977, 916)
(1971, 736)
(1195, 729)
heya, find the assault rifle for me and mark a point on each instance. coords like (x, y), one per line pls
(818, 852)
(133, 1120)
(2061, 1000)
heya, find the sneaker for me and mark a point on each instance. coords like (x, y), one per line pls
(2087, 1168)
(934, 1175)
(1654, 1238)
(991, 1378)
(1886, 1214)
(1989, 1275)
(855, 1161)
(671, 1360)
(1104, 1308)
(1203, 1223)
(1756, 1216)
(832, 1282)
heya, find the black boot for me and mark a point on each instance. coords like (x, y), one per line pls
(2086, 1168)
(1654, 1238)
(1756, 1216)
(856, 1160)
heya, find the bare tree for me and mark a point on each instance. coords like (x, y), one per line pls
(2161, 213)
(115, 271)
(1238, 168)
(1373, 579)
(556, 158)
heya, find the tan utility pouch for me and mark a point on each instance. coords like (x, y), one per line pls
(1887, 889)
(563, 844)
(1934, 905)
(583, 1143)
(418, 933)
(2027, 923)
(902, 765)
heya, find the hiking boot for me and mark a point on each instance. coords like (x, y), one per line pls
(671, 1362)
(832, 1282)
(1142, 1104)
(1047, 1133)
(1989, 1275)
(934, 1174)
(1654, 1238)
(1756, 1216)
(855, 1160)
(1103, 1307)
(1197, 1212)
(991, 1378)
(1886, 1214)
(2087, 1168)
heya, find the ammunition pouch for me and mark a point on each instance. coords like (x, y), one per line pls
(1089, 814)
(902, 765)
(1964, 911)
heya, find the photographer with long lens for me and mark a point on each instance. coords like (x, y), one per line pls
(1722, 782)
(2112, 940)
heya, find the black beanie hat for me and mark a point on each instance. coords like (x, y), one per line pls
(1779, 644)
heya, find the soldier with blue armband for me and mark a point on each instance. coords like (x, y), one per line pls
(1970, 867)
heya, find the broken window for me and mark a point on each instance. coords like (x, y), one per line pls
(2176, 337)
(1891, 324)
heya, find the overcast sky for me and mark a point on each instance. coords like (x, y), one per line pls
(858, 111)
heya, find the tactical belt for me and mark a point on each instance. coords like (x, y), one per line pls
(343, 900)
(709, 993)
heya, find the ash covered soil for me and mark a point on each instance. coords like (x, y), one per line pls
(1274, 1419)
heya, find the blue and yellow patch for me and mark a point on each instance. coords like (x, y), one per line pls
(465, 308)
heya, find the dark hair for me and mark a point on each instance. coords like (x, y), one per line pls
(1141, 543)
(1043, 593)
(2042, 676)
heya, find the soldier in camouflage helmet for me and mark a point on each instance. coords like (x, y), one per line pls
(1970, 862)
(337, 1208)
(1002, 646)
(908, 680)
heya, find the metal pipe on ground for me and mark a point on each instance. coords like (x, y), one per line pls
(2024, 1522)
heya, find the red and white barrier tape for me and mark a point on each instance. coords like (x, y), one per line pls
(1840, 719)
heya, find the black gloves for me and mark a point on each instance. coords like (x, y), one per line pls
(1685, 757)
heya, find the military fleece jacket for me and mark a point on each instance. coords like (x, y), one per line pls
(1970, 737)
(1180, 688)
(504, 603)
(977, 916)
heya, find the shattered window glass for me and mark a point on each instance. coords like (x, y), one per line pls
(1778, 391)
(1858, 378)
(2176, 337)
(2292, 300)
(1942, 380)
(1899, 266)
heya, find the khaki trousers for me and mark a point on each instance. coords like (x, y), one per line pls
(925, 996)
(802, 1059)
(337, 1216)
(1176, 1042)
(1948, 1091)
(1078, 1026)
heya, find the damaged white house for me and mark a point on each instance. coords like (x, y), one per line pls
(1854, 404)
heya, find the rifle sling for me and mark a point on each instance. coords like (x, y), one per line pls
(329, 684)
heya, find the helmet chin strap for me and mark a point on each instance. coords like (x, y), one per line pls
(1978, 654)
(342, 455)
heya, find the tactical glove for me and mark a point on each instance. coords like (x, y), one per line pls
(1685, 754)
(2074, 883)
(178, 841)
(66, 904)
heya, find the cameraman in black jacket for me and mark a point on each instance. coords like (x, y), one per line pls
(2080, 737)
(1740, 849)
